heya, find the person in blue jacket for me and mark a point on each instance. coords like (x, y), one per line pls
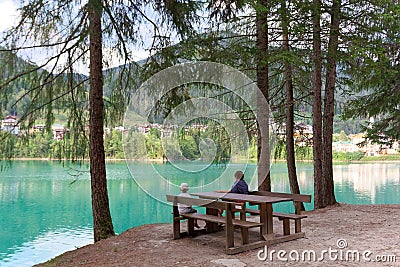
(240, 186)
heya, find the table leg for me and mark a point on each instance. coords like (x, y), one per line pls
(263, 218)
(270, 223)
(266, 219)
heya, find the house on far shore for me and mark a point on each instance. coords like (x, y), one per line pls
(344, 146)
(38, 128)
(58, 131)
(10, 124)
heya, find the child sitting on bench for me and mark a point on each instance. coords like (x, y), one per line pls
(183, 208)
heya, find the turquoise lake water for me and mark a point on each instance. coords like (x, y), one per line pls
(46, 208)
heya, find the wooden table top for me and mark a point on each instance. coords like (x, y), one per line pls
(241, 197)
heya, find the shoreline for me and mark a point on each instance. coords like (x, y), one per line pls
(77, 160)
(161, 160)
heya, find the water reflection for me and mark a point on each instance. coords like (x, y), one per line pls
(43, 247)
(375, 181)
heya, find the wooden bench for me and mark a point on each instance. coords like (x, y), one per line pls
(228, 220)
(285, 217)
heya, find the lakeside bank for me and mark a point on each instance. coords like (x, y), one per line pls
(362, 228)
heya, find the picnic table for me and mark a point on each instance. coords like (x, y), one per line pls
(265, 212)
(231, 203)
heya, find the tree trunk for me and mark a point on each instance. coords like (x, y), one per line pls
(329, 100)
(102, 222)
(317, 105)
(263, 156)
(290, 153)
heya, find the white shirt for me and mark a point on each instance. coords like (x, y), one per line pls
(183, 208)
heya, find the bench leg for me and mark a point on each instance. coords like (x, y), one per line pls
(190, 224)
(177, 229)
(286, 226)
(177, 222)
(297, 225)
(245, 235)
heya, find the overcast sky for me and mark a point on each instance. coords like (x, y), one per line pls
(9, 15)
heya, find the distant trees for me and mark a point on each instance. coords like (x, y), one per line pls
(42, 145)
(113, 145)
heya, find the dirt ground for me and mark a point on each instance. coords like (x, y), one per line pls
(371, 232)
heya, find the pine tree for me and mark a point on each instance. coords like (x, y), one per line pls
(317, 106)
